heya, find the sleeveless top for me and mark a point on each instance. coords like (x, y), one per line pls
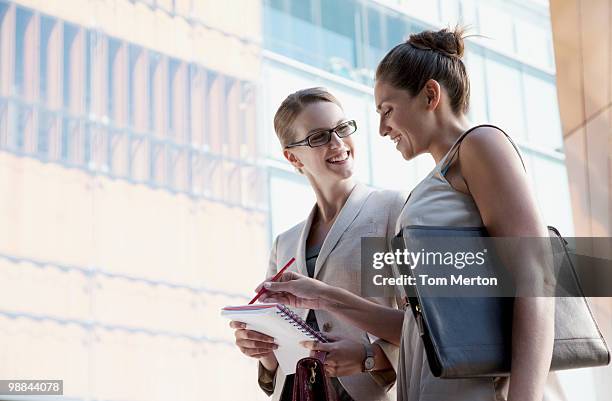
(434, 202)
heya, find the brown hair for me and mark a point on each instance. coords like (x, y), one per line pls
(292, 106)
(429, 55)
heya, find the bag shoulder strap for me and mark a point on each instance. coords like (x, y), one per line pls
(454, 151)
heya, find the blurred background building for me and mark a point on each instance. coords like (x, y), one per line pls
(583, 51)
(143, 181)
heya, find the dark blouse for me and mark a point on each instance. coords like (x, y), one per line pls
(311, 319)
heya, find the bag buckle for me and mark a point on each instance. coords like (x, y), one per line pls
(313, 374)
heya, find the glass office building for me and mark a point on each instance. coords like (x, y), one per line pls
(144, 184)
(338, 44)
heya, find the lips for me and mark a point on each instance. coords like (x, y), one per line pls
(396, 139)
(339, 158)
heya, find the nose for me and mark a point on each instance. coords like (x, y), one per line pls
(335, 141)
(383, 128)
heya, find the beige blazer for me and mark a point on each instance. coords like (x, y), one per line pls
(366, 213)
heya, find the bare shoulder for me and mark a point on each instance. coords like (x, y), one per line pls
(488, 147)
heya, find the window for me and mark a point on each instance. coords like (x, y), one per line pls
(552, 191)
(23, 127)
(389, 169)
(114, 107)
(247, 105)
(115, 80)
(276, 27)
(100, 157)
(469, 15)
(119, 153)
(70, 142)
(397, 30)
(287, 214)
(197, 85)
(154, 98)
(449, 12)
(158, 162)
(424, 10)
(90, 47)
(534, 43)
(5, 56)
(198, 173)
(46, 127)
(4, 128)
(375, 47)
(301, 10)
(177, 101)
(233, 131)
(281, 81)
(216, 112)
(139, 158)
(339, 37)
(47, 25)
(478, 95)
(95, 78)
(356, 106)
(178, 169)
(70, 65)
(303, 33)
(505, 97)
(496, 24)
(136, 87)
(23, 44)
(542, 112)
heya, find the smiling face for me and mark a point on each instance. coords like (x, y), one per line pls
(330, 162)
(403, 118)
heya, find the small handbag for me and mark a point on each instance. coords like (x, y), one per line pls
(468, 337)
(310, 382)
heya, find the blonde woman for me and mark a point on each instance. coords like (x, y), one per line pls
(315, 136)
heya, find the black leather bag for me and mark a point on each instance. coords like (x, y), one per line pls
(471, 336)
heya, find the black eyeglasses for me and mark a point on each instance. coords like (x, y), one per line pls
(321, 138)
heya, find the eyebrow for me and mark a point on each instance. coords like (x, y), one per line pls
(340, 121)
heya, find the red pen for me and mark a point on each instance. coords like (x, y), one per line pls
(276, 277)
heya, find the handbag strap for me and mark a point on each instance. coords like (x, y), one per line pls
(454, 151)
(320, 355)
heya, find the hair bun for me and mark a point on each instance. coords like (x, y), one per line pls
(445, 41)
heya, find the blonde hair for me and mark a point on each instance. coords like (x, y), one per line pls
(291, 108)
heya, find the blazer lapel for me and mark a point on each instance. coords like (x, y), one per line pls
(349, 212)
(300, 257)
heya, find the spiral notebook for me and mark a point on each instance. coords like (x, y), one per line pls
(280, 322)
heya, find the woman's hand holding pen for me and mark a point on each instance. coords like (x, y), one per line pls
(295, 290)
(256, 345)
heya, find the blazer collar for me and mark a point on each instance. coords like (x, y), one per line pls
(347, 214)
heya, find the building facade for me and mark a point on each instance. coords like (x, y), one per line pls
(145, 183)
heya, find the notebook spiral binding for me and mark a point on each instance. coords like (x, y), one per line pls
(299, 323)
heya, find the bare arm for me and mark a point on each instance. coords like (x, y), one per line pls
(496, 180)
(303, 292)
